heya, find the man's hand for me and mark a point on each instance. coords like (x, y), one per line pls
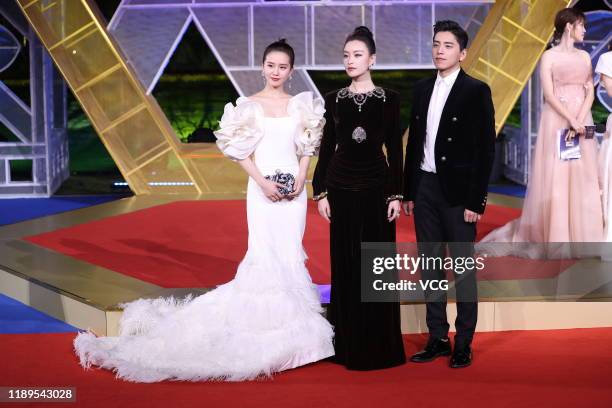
(471, 216)
(408, 206)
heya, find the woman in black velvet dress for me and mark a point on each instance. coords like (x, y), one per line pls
(358, 192)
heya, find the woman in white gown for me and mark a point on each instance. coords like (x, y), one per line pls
(268, 318)
(604, 69)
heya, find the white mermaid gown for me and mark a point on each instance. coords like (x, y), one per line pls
(268, 318)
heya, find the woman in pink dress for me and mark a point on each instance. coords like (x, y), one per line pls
(562, 203)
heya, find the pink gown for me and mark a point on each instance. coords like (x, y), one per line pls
(563, 201)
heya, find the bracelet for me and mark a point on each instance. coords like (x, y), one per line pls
(395, 197)
(320, 196)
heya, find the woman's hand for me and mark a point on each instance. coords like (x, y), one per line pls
(578, 128)
(324, 210)
(270, 190)
(394, 210)
(298, 187)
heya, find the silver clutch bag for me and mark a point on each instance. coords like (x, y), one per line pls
(286, 179)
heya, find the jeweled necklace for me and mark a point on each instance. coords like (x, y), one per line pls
(359, 98)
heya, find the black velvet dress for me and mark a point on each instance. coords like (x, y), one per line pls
(358, 179)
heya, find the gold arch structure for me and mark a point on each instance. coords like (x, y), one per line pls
(508, 47)
(130, 123)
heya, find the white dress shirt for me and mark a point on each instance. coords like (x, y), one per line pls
(439, 96)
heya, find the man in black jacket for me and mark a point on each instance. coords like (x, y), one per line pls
(449, 157)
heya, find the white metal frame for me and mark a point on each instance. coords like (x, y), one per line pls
(39, 143)
(310, 9)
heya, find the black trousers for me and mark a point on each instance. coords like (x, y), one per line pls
(441, 231)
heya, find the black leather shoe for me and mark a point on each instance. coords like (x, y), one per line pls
(461, 358)
(434, 349)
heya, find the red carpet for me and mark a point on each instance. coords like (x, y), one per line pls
(562, 368)
(199, 243)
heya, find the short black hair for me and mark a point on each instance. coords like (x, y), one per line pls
(282, 46)
(452, 26)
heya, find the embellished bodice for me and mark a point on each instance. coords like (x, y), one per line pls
(571, 75)
(359, 128)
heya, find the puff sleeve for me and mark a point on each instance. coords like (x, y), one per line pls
(240, 129)
(308, 110)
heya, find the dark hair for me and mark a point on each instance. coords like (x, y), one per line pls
(453, 27)
(564, 16)
(363, 34)
(281, 46)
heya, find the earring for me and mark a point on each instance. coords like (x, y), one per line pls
(290, 78)
(263, 77)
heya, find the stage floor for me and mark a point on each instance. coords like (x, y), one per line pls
(70, 258)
